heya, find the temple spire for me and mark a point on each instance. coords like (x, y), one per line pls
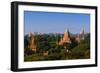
(66, 37)
(66, 30)
(32, 45)
(83, 33)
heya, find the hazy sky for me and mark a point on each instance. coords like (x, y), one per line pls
(48, 22)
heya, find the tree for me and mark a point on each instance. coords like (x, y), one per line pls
(26, 41)
(82, 50)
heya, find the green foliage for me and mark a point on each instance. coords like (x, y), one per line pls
(82, 51)
(34, 57)
(48, 43)
(26, 41)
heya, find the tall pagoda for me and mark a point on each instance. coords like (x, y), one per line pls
(66, 38)
(32, 45)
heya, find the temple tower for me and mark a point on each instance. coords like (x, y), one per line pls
(83, 34)
(66, 38)
(32, 45)
(78, 38)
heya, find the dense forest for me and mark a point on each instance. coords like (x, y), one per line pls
(48, 48)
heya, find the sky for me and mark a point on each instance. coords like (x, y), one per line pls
(51, 22)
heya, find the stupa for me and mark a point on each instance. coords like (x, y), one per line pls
(32, 45)
(78, 38)
(83, 33)
(66, 38)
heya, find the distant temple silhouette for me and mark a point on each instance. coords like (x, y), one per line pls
(82, 34)
(78, 38)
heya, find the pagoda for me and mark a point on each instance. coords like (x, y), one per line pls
(83, 34)
(32, 45)
(66, 38)
(78, 38)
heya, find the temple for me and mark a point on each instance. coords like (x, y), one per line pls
(32, 45)
(66, 38)
(82, 34)
(78, 38)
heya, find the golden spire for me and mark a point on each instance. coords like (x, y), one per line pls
(32, 45)
(66, 38)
